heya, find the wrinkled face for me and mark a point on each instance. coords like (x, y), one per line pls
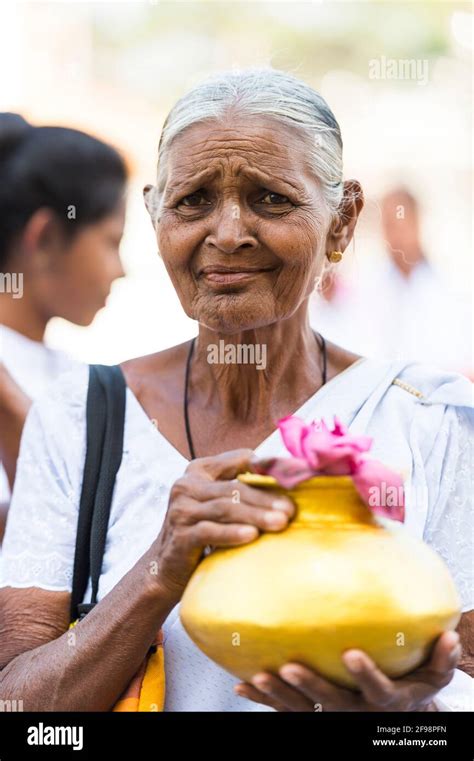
(241, 223)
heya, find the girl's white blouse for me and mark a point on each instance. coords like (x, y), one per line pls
(33, 366)
(422, 425)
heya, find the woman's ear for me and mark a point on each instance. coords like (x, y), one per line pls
(342, 230)
(42, 238)
(149, 195)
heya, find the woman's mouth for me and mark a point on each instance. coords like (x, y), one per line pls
(230, 276)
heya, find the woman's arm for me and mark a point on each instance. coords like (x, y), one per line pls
(14, 406)
(85, 668)
(88, 667)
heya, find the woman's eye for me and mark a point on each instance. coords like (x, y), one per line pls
(274, 198)
(194, 199)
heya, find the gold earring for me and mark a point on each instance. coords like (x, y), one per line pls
(334, 256)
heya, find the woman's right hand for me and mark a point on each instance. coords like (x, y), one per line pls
(208, 507)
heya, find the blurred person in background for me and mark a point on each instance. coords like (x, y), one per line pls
(334, 306)
(400, 308)
(62, 213)
(418, 317)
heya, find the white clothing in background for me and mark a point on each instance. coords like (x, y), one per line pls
(388, 316)
(34, 367)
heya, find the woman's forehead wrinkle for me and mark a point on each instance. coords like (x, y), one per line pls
(181, 176)
(286, 175)
(240, 138)
(250, 151)
(252, 166)
(259, 155)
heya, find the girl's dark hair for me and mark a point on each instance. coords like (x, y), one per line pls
(77, 176)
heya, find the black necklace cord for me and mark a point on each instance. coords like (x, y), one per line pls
(321, 342)
(186, 401)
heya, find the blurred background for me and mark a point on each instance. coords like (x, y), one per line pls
(398, 78)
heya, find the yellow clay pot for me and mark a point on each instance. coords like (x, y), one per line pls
(337, 578)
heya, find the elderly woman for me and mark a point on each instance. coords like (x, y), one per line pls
(249, 209)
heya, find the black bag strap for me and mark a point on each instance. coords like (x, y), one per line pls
(105, 417)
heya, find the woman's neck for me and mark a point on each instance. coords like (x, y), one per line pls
(255, 373)
(20, 315)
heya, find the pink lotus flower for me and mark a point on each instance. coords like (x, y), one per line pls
(316, 450)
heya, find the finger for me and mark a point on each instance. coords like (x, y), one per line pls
(316, 688)
(376, 687)
(221, 535)
(446, 653)
(269, 499)
(224, 511)
(223, 466)
(278, 690)
(202, 490)
(250, 692)
(439, 670)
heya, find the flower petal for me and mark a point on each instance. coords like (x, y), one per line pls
(292, 429)
(339, 428)
(316, 441)
(381, 489)
(339, 462)
(356, 443)
(288, 471)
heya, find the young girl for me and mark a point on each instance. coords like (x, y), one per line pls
(61, 222)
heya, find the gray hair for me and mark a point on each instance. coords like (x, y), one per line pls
(266, 92)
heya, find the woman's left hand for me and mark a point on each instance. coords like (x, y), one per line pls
(298, 688)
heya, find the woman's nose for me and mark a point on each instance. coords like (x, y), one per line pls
(231, 232)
